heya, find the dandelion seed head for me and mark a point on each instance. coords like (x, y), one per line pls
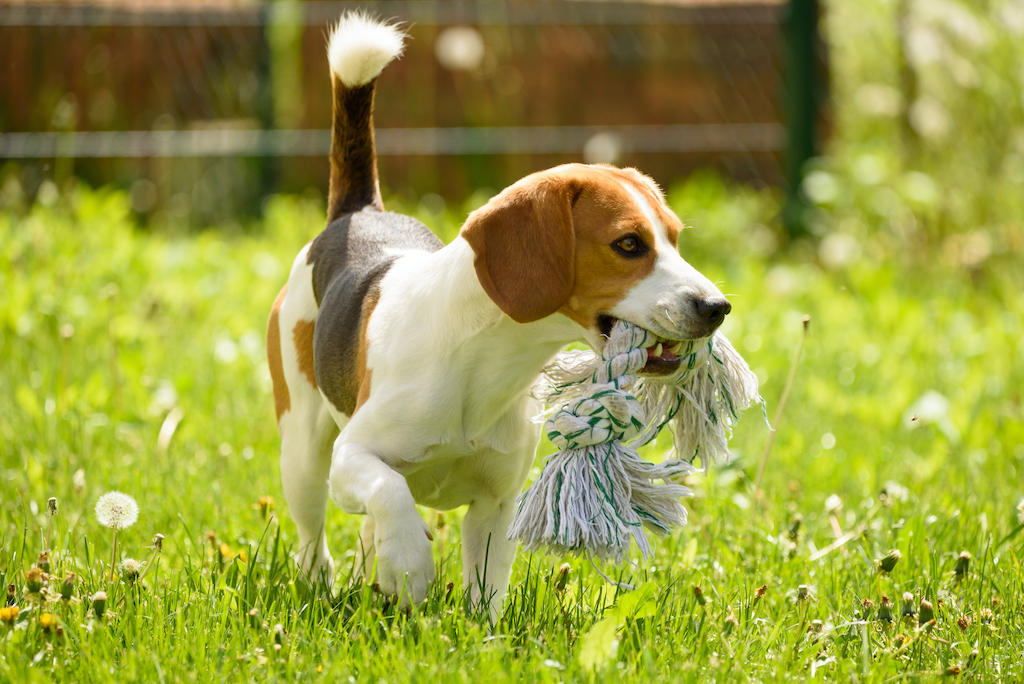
(67, 589)
(885, 565)
(131, 568)
(1020, 512)
(99, 603)
(117, 510)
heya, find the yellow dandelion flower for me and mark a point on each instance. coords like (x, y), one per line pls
(34, 580)
(9, 613)
(47, 621)
(264, 505)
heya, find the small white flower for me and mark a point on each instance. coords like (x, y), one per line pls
(117, 510)
(1020, 512)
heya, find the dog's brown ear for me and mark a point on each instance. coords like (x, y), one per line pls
(525, 246)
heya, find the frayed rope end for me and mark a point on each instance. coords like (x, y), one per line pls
(597, 494)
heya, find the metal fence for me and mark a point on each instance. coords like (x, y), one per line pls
(189, 96)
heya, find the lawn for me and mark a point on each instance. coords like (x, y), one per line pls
(134, 361)
(885, 542)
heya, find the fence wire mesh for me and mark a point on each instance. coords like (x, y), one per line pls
(206, 107)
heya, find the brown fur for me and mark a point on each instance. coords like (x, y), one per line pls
(524, 244)
(282, 398)
(604, 214)
(363, 374)
(302, 336)
(655, 197)
(364, 389)
(545, 244)
(353, 182)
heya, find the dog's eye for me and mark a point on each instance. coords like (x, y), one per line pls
(629, 246)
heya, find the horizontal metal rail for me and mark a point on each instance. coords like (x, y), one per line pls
(418, 12)
(765, 137)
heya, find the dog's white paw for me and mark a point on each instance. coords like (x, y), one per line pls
(405, 565)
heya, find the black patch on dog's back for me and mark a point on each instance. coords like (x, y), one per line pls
(349, 260)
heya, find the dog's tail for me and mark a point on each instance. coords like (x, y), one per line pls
(358, 49)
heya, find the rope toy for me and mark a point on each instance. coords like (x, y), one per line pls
(596, 493)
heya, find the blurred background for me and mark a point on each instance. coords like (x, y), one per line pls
(859, 161)
(203, 109)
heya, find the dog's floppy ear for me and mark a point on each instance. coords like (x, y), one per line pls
(525, 246)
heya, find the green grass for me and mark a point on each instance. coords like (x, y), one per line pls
(104, 329)
(904, 429)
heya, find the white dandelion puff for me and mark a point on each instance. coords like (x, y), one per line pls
(1020, 512)
(131, 566)
(130, 569)
(117, 510)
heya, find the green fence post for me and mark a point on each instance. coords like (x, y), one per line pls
(268, 163)
(802, 102)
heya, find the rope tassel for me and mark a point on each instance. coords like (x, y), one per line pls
(596, 494)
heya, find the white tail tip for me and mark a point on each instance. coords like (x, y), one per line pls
(359, 47)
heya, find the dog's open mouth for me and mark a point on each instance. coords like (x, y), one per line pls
(662, 356)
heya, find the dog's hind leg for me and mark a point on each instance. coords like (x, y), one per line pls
(306, 438)
(306, 426)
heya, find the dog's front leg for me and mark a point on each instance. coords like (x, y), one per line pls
(362, 483)
(487, 553)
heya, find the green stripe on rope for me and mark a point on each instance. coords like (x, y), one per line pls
(596, 494)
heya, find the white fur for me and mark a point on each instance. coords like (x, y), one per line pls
(307, 430)
(359, 48)
(447, 421)
(665, 301)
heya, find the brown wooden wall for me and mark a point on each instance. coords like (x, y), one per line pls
(144, 77)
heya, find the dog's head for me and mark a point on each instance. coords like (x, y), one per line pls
(596, 244)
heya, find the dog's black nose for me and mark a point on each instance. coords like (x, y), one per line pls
(713, 310)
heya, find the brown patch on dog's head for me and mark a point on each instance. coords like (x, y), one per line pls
(282, 398)
(572, 239)
(650, 191)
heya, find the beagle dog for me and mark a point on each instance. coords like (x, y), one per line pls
(402, 368)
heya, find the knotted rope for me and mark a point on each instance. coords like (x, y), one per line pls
(596, 493)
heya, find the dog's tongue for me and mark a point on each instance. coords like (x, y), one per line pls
(663, 354)
(660, 361)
